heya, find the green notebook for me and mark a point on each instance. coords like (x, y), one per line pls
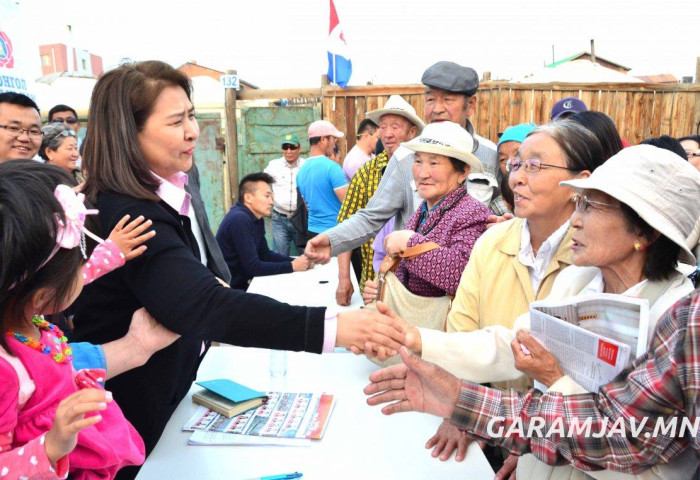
(227, 397)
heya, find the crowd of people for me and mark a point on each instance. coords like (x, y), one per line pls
(551, 211)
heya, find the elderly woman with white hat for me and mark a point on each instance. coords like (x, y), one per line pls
(635, 218)
(448, 215)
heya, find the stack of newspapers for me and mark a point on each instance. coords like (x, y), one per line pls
(594, 337)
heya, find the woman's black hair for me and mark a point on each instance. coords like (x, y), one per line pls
(662, 253)
(667, 143)
(458, 165)
(28, 213)
(604, 129)
(694, 138)
(587, 139)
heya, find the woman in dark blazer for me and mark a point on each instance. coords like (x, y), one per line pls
(140, 140)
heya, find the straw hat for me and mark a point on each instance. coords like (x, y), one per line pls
(396, 105)
(661, 187)
(449, 139)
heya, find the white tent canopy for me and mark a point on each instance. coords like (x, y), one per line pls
(578, 71)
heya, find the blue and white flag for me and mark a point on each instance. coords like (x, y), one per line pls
(339, 64)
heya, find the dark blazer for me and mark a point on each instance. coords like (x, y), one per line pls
(182, 294)
(215, 259)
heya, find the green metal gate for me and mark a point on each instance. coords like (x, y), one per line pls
(260, 133)
(260, 138)
(209, 156)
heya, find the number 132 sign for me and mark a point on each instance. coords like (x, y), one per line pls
(230, 81)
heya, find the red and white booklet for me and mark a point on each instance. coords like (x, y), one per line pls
(594, 336)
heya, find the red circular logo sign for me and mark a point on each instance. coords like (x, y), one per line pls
(6, 58)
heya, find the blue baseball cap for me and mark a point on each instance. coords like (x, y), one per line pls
(567, 105)
(516, 133)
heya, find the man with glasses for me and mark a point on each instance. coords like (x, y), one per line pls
(365, 147)
(284, 170)
(64, 114)
(20, 127)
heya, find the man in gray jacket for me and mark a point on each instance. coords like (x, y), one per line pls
(450, 95)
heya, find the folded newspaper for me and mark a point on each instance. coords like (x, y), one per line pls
(594, 337)
(286, 419)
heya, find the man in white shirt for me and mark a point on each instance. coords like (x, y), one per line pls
(284, 170)
(365, 147)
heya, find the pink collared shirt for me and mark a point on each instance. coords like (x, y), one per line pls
(172, 191)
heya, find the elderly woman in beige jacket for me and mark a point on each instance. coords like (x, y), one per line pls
(636, 217)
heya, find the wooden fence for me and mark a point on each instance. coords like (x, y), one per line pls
(640, 110)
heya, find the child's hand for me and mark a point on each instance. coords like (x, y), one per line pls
(70, 419)
(127, 237)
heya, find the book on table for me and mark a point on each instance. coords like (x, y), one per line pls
(228, 397)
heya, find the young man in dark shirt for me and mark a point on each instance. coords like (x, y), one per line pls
(241, 235)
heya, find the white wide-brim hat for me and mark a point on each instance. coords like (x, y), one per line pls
(449, 139)
(396, 105)
(661, 187)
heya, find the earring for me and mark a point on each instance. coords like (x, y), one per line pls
(639, 247)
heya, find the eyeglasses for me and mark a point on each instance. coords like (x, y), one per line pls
(16, 131)
(693, 154)
(532, 166)
(582, 203)
(290, 147)
(66, 133)
(68, 120)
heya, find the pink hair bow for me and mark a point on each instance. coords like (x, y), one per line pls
(71, 228)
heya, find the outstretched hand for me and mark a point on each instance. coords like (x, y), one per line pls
(414, 386)
(128, 236)
(318, 249)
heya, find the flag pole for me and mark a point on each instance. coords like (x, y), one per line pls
(335, 77)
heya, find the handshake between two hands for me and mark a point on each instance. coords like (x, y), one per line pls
(377, 334)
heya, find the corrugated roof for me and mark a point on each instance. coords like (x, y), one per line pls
(580, 54)
(660, 78)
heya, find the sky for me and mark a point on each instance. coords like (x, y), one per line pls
(282, 43)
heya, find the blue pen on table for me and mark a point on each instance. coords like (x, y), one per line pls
(283, 476)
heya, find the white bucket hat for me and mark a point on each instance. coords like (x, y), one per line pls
(449, 139)
(396, 105)
(661, 187)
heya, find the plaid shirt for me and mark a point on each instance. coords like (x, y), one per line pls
(664, 382)
(362, 186)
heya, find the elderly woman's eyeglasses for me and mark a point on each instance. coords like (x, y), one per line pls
(582, 203)
(66, 133)
(532, 166)
(16, 131)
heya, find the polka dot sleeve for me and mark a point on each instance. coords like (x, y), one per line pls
(105, 258)
(30, 461)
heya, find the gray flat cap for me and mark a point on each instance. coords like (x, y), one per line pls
(451, 77)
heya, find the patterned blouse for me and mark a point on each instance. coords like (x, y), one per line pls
(455, 225)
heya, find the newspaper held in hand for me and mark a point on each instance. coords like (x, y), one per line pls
(594, 337)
